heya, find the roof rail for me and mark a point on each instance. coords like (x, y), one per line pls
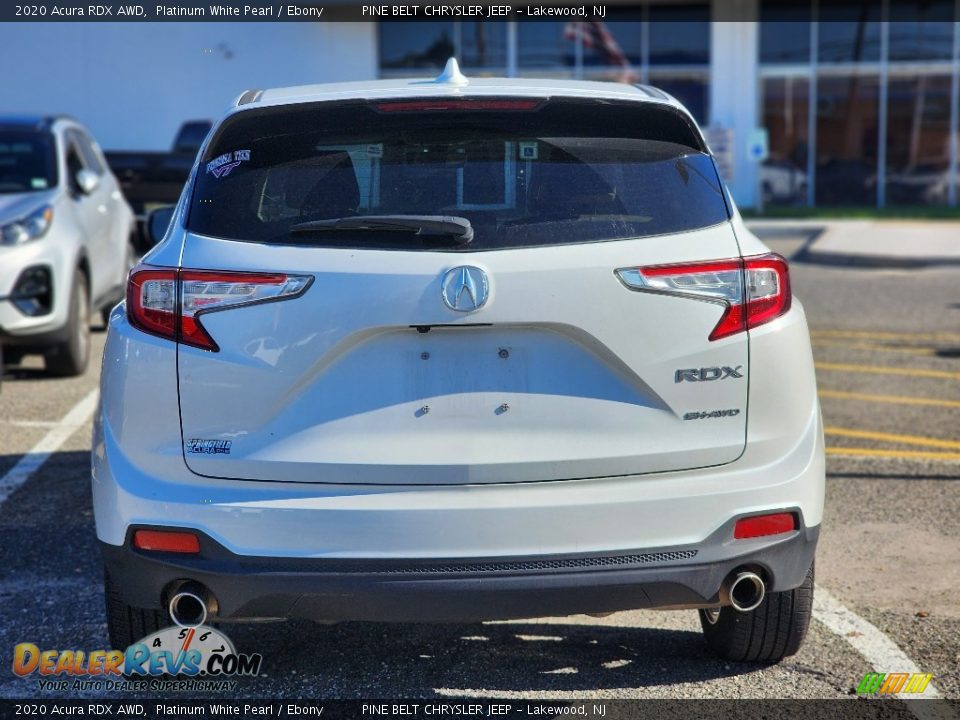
(248, 96)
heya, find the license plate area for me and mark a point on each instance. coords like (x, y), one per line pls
(466, 372)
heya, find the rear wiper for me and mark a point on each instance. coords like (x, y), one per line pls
(457, 228)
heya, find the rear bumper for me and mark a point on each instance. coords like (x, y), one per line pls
(460, 590)
(298, 549)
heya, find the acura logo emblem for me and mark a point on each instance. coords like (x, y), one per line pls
(464, 288)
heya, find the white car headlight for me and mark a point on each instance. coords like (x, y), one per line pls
(29, 227)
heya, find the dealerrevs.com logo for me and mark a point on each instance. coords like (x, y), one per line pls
(176, 658)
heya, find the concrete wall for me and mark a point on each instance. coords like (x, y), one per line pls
(133, 84)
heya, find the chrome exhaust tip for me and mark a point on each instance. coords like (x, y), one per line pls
(746, 591)
(189, 606)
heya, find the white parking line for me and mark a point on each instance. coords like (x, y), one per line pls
(31, 423)
(875, 647)
(49, 444)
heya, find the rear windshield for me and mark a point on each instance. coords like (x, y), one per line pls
(523, 173)
(28, 162)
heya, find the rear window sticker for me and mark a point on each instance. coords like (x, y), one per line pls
(221, 165)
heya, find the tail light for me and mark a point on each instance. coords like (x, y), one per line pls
(755, 290)
(169, 303)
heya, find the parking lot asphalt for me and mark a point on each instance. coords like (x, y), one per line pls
(887, 346)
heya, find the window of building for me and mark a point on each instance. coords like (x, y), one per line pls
(921, 31)
(848, 31)
(620, 35)
(545, 47)
(680, 35)
(666, 45)
(424, 47)
(918, 140)
(786, 108)
(847, 140)
(613, 50)
(785, 32)
(415, 45)
(847, 170)
(483, 45)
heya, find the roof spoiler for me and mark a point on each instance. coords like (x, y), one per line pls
(654, 92)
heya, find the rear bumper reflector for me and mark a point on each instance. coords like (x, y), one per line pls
(762, 525)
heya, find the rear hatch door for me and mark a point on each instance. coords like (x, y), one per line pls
(527, 354)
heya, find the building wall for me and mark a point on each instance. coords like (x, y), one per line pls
(859, 111)
(133, 84)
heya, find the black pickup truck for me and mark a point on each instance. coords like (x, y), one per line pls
(154, 179)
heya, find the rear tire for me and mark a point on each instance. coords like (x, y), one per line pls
(127, 624)
(70, 357)
(770, 633)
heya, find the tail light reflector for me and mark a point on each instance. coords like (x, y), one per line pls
(166, 541)
(169, 303)
(762, 525)
(754, 289)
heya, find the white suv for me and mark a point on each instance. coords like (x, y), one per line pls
(459, 350)
(64, 239)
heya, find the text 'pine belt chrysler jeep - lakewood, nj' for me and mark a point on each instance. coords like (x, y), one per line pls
(459, 350)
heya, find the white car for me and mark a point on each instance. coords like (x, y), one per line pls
(455, 351)
(64, 239)
(782, 181)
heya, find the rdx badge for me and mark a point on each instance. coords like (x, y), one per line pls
(710, 373)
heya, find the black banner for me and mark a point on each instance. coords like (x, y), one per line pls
(293, 11)
(474, 708)
(345, 11)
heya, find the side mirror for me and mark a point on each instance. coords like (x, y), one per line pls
(157, 223)
(87, 181)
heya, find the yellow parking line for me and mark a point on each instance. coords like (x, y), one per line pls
(886, 370)
(878, 335)
(896, 399)
(906, 454)
(873, 347)
(892, 437)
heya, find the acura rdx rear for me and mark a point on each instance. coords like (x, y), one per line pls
(453, 351)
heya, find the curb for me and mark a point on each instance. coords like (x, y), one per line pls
(811, 255)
